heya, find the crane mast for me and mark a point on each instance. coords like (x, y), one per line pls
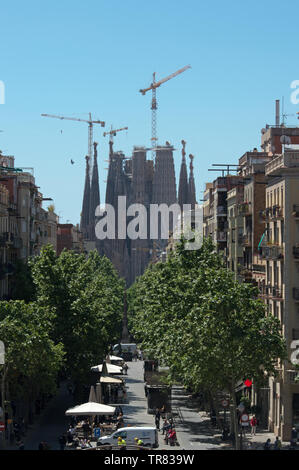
(113, 133)
(154, 85)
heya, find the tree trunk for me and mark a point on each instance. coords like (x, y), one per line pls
(235, 418)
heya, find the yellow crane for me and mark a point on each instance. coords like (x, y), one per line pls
(154, 85)
(90, 123)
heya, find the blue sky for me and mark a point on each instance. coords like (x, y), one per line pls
(71, 58)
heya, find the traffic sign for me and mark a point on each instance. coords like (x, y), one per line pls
(225, 403)
(2, 426)
(244, 419)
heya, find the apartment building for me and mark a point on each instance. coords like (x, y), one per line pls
(215, 223)
(69, 237)
(235, 198)
(24, 225)
(252, 171)
(280, 251)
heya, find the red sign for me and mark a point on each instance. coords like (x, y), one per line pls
(2, 426)
(248, 383)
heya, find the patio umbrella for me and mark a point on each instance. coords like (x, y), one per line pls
(99, 393)
(92, 395)
(90, 409)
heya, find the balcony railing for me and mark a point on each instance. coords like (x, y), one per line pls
(271, 291)
(221, 237)
(295, 293)
(259, 268)
(271, 252)
(245, 208)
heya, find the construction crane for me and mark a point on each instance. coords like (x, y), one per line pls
(113, 133)
(90, 123)
(154, 105)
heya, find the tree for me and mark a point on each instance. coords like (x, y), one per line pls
(22, 285)
(32, 359)
(87, 298)
(211, 330)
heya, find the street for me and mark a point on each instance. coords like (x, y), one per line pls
(193, 432)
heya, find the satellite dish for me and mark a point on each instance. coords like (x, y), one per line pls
(285, 139)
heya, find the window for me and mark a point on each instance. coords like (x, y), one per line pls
(122, 434)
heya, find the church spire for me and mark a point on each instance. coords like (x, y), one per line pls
(191, 186)
(183, 183)
(94, 194)
(86, 201)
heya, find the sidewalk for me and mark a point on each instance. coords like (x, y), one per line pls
(50, 424)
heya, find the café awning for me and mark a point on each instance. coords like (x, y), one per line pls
(90, 409)
(110, 380)
(111, 368)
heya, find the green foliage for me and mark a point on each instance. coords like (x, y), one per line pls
(208, 328)
(22, 285)
(87, 298)
(32, 359)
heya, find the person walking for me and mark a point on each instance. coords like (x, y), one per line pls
(277, 444)
(62, 441)
(253, 424)
(157, 419)
(294, 437)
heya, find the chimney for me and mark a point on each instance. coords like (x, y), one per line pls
(277, 113)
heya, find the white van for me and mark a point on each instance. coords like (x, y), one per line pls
(149, 436)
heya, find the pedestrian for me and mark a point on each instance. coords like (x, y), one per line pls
(121, 443)
(157, 419)
(163, 411)
(21, 445)
(62, 441)
(145, 389)
(213, 417)
(267, 445)
(277, 444)
(166, 426)
(294, 437)
(253, 424)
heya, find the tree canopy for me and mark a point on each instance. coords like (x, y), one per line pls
(211, 330)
